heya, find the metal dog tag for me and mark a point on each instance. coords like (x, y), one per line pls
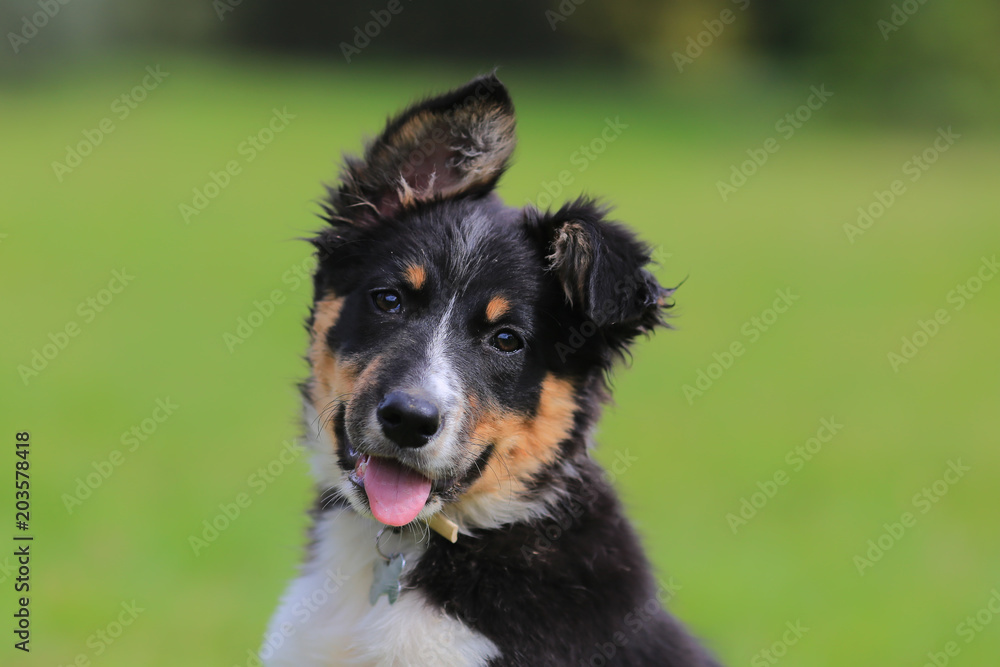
(386, 575)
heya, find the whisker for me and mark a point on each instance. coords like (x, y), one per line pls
(328, 413)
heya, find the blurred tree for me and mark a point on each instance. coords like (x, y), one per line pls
(910, 57)
(438, 28)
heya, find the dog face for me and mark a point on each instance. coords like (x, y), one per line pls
(458, 346)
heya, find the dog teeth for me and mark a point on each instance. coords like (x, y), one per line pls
(362, 465)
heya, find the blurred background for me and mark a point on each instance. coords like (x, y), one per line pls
(814, 447)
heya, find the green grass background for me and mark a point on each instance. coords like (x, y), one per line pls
(162, 337)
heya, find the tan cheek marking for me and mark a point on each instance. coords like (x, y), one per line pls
(331, 378)
(524, 446)
(415, 275)
(334, 380)
(325, 316)
(497, 308)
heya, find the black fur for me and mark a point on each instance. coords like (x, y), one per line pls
(549, 591)
(561, 590)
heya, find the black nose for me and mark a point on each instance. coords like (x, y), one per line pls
(408, 419)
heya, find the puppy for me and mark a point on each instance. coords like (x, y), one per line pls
(459, 355)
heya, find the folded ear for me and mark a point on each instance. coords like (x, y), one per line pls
(456, 143)
(601, 267)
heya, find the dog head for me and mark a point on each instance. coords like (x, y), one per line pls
(459, 347)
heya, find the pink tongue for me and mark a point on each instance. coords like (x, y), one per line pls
(396, 494)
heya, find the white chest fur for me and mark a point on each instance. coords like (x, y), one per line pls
(326, 620)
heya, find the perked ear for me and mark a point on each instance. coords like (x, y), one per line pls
(456, 143)
(601, 267)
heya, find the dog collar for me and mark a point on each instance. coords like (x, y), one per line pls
(388, 568)
(444, 527)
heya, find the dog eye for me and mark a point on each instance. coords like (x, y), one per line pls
(506, 340)
(387, 300)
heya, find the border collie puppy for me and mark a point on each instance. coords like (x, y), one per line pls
(459, 355)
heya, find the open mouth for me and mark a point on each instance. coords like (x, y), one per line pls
(396, 492)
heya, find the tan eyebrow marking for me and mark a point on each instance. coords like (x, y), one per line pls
(416, 275)
(497, 308)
